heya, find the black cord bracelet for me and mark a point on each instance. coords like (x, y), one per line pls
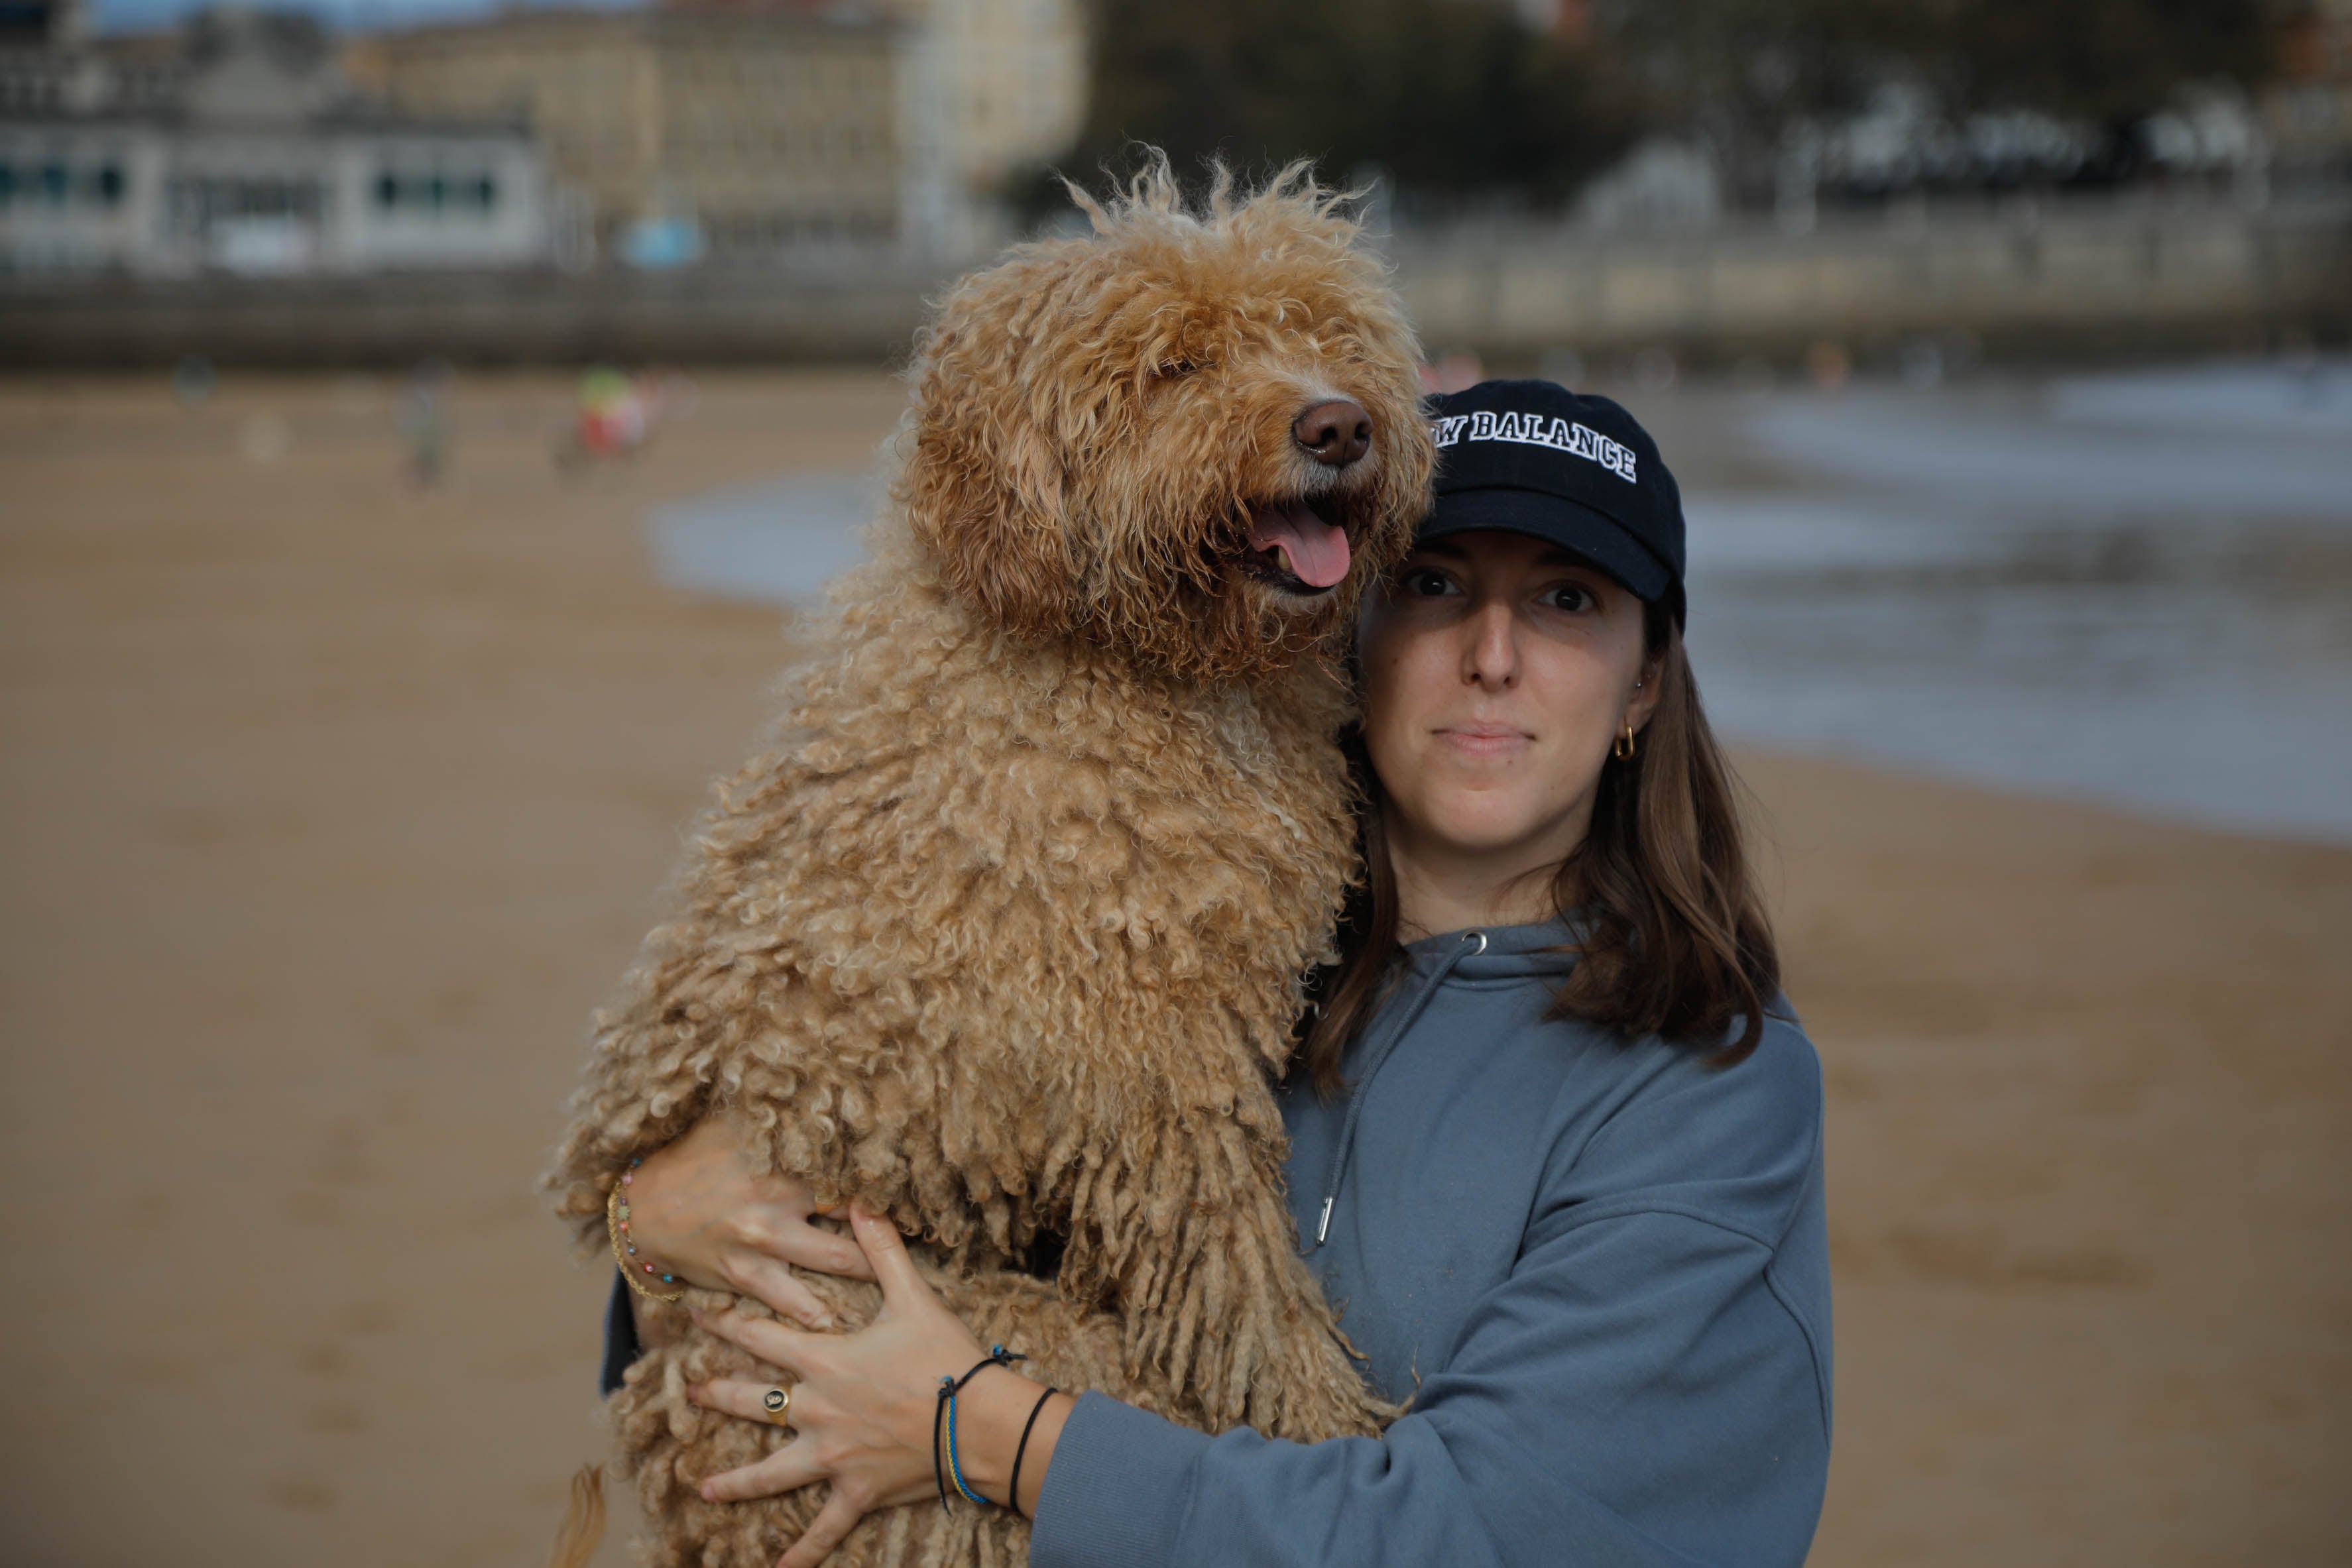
(1013, 1492)
(943, 1418)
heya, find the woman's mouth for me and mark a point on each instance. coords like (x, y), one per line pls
(1482, 740)
(1296, 549)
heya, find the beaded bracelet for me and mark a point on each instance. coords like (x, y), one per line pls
(943, 1416)
(616, 1224)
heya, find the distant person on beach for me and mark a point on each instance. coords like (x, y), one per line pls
(618, 413)
(1556, 1136)
(424, 421)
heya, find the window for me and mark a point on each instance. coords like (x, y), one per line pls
(435, 193)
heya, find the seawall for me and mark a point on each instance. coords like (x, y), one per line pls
(2145, 270)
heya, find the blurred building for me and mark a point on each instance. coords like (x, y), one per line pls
(756, 127)
(236, 144)
(1664, 183)
(2307, 113)
(992, 87)
(38, 22)
(772, 124)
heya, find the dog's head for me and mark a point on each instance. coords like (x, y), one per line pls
(1192, 437)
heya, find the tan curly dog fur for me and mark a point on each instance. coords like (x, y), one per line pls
(1005, 935)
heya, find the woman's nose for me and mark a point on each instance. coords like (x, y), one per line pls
(1492, 659)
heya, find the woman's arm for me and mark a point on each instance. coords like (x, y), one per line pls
(1636, 1395)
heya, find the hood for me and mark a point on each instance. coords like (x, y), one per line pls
(1544, 950)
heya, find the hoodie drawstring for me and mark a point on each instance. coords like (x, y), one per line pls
(1406, 1017)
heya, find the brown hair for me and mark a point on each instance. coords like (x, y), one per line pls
(1675, 941)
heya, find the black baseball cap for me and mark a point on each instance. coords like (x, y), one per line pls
(1533, 457)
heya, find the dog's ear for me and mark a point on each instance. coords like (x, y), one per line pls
(983, 487)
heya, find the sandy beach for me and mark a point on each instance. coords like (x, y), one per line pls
(333, 803)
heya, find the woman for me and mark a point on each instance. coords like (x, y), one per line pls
(1555, 1145)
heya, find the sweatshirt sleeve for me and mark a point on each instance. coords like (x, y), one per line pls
(620, 1347)
(1645, 1388)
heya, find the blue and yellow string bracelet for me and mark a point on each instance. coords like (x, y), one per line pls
(944, 1420)
(616, 1225)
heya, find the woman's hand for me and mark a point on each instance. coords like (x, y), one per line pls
(702, 1210)
(862, 1404)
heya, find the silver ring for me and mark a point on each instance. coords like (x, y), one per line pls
(1482, 941)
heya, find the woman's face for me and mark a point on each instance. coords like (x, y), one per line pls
(1497, 671)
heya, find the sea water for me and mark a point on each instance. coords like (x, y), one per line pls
(2129, 588)
(2132, 588)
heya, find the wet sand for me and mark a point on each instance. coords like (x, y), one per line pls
(334, 804)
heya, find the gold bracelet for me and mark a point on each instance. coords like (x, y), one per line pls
(616, 1222)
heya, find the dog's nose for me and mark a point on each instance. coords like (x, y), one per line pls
(1338, 433)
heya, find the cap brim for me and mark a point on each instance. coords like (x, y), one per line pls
(1572, 526)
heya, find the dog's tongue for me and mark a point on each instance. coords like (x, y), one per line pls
(1317, 552)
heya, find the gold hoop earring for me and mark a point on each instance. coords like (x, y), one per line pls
(1621, 748)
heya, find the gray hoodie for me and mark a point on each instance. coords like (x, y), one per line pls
(1599, 1270)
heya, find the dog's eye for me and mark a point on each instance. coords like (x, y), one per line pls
(1169, 370)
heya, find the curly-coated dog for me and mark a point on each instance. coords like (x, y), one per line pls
(1006, 935)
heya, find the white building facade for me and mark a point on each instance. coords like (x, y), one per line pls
(986, 88)
(247, 154)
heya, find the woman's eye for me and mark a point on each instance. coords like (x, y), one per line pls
(1426, 584)
(1569, 596)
